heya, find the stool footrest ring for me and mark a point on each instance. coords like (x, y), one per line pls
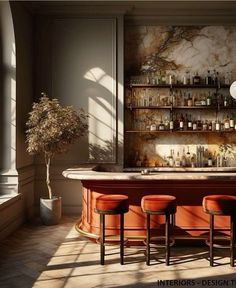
(161, 239)
(112, 240)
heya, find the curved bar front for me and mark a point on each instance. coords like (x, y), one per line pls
(189, 188)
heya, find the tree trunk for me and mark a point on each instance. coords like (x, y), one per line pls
(47, 161)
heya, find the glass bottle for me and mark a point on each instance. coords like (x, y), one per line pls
(189, 100)
(183, 159)
(231, 123)
(209, 160)
(171, 158)
(208, 100)
(218, 125)
(227, 123)
(194, 125)
(208, 78)
(190, 123)
(161, 126)
(181, 122)
(196, 79)
(177, 160)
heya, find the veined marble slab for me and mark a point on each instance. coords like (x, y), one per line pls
(95, 172)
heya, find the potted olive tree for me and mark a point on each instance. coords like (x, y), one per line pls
(51, 129)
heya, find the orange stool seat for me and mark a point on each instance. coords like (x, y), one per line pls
(222, 205)
(159, 204)
(111, 205)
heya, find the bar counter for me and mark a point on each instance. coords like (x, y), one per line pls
(189, 188)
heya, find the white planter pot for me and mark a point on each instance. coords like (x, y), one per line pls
(50, 210)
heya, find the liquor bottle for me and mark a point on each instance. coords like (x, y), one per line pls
(188, 158)
(167, 124)
(161, 126)
(208, 100)
(196, 79)
(189, 123)
(210, 126)
(153, 127)
(171, 158)
(189, 100)
(181, 122)
(231, 123)
(199, 123)
(163, 77)
(218, 126)
(226, 101)
(205, 125)
(214, 79)
(183, 159)
(208, 78)
(227, 123)
(209, 160)
(188, 77)
(194, 125)
(177, 160)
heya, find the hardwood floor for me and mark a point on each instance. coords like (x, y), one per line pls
(56, 256)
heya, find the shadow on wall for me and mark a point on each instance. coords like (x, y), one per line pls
(106, 152)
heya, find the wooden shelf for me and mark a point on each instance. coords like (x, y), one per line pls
(176, 131)
(180, 107)
(177, 86)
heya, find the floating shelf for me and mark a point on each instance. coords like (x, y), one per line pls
(177, 86)
(176, 131)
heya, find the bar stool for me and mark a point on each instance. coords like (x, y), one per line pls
(161, 205)
(111, 205)
(224, 205)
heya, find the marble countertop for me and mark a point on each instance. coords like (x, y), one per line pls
(115, 172)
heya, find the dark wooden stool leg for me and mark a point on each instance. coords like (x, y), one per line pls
(232, 240)
(121, 238)
(102, 238)
(167, 239)
(148, 239)
(211, 239)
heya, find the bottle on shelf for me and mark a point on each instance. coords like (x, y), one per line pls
(231, 123)
(209, 160)
(208, 100)
(227, 123)
(189, 100)
(226, 104)
(218, 126)
(171, 158)
(199, 123)
(161, 126)
(145, 160)
(153, 127)
(208, 80)
(177, 160)
(188, 158)
(194, 125)
(189, 123)
(183, 159)
(181, 122)
(196, 79)
(205, 125)
(167, 124)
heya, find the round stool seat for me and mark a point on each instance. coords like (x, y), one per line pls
(219, 204)
(112, 204)
(159, 204)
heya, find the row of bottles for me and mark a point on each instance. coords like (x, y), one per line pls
(181, 122)
(151, 98)
(202, 157)
(210, 77)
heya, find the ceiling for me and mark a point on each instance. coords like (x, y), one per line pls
(185, 12)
